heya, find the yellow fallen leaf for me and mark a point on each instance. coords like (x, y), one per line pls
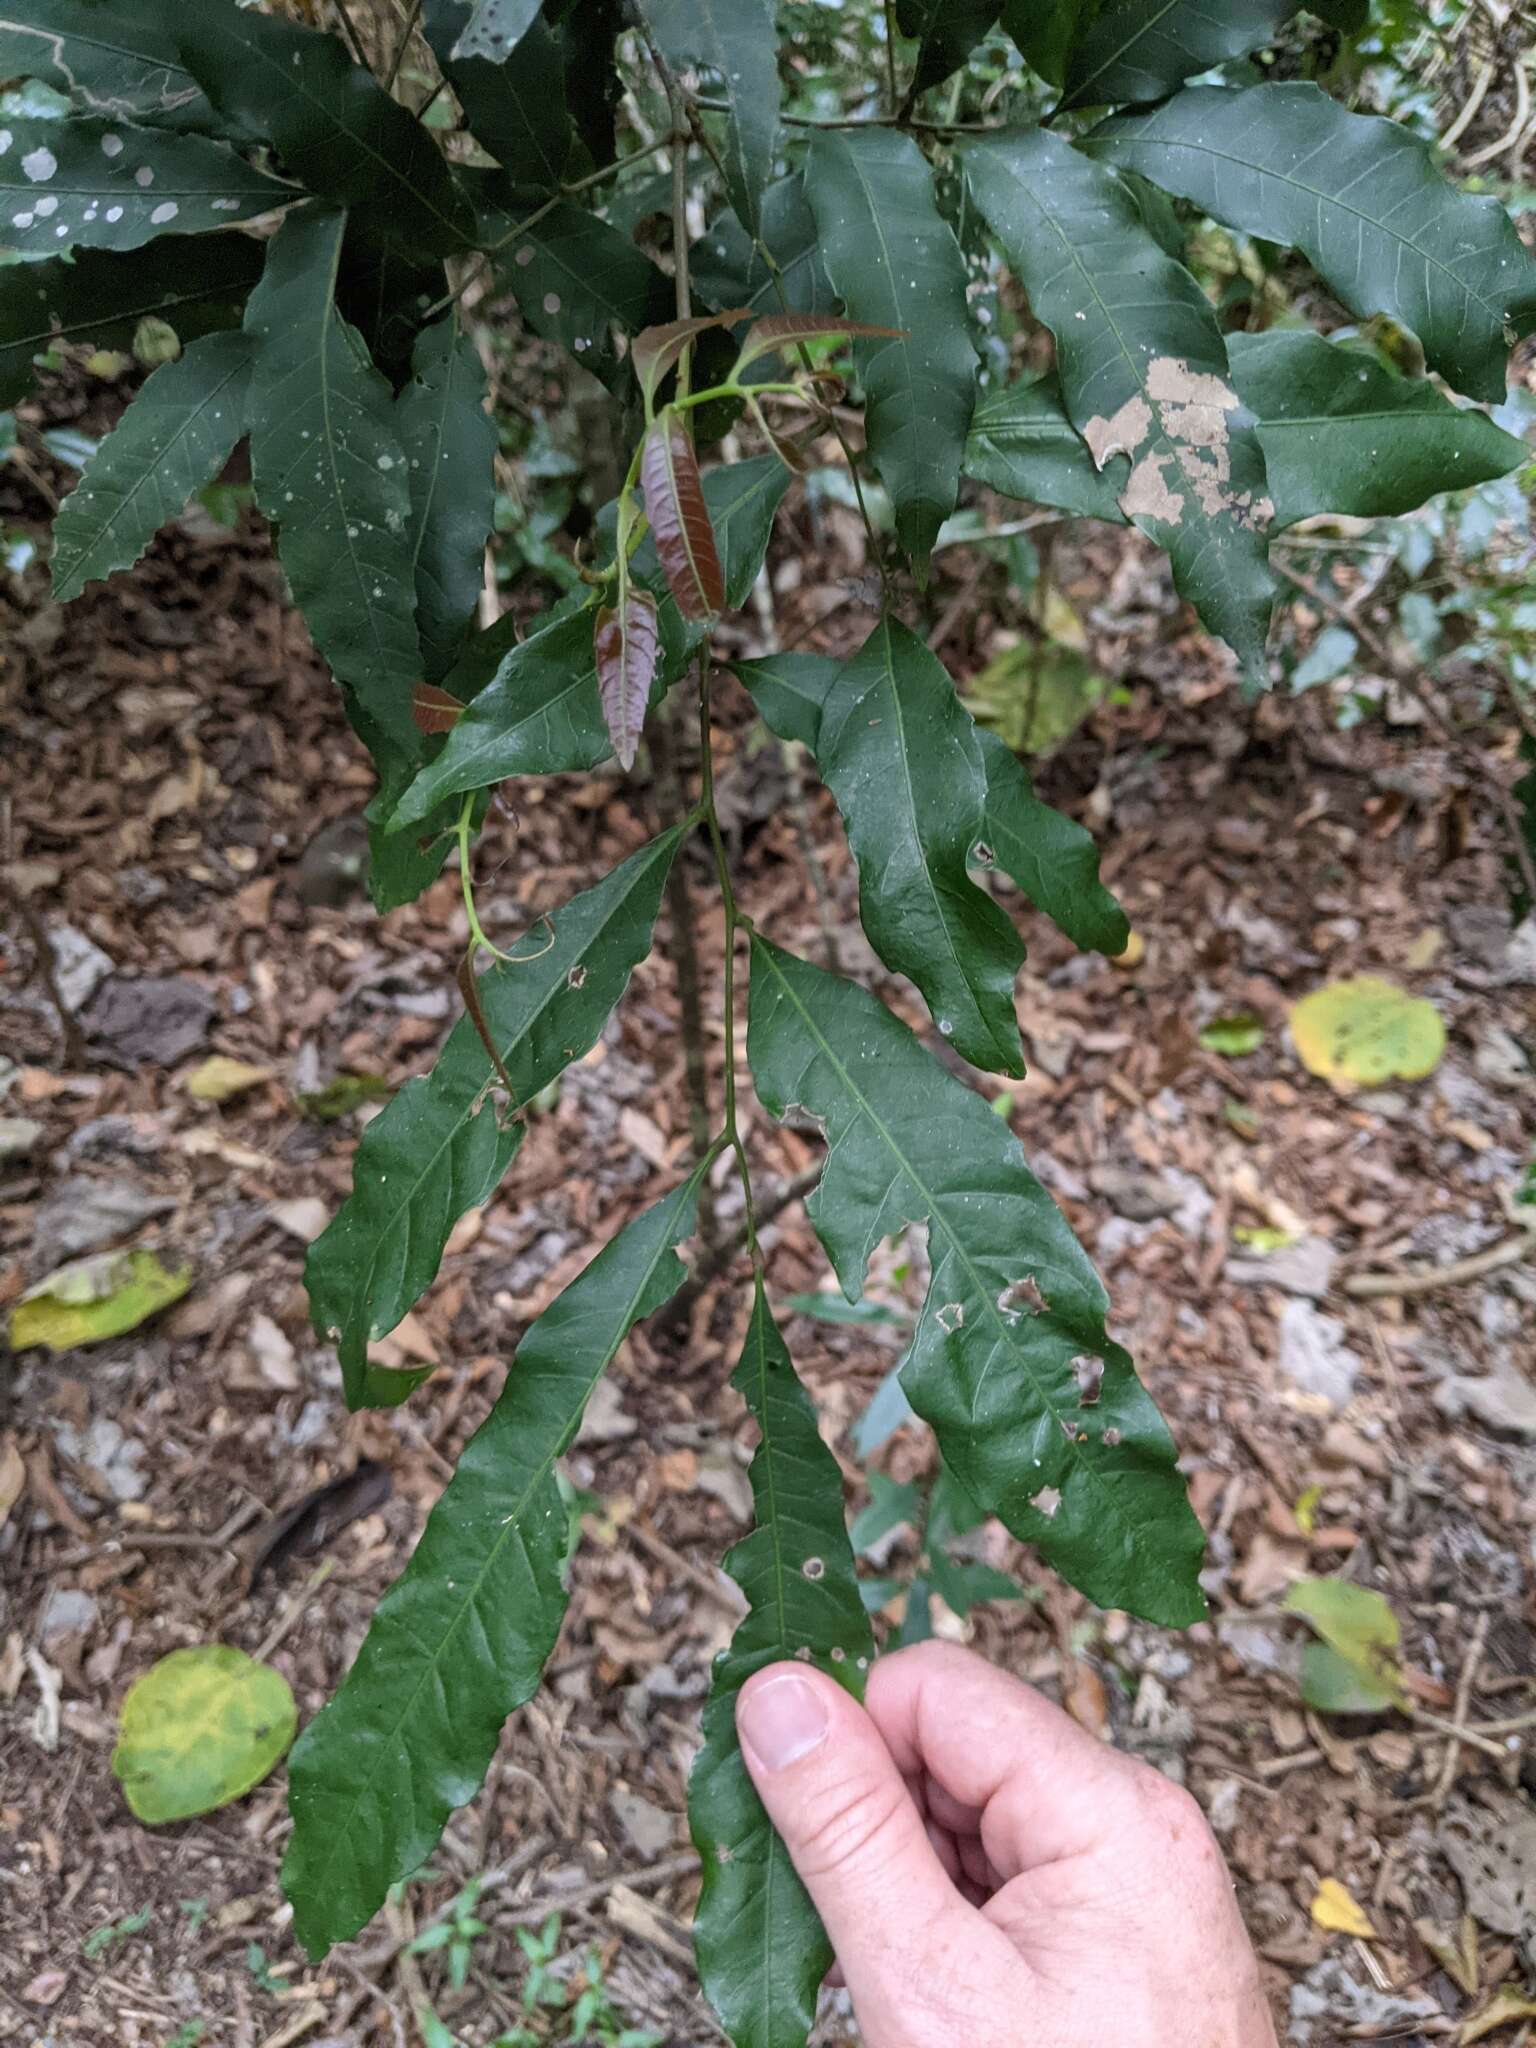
(1336, 1912)
(218, 1078)
(95, 1298)
(1135, 952)
(1506, 2008)
(1362, 1032)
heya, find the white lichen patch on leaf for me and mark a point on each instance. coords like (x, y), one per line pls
(1192, 418)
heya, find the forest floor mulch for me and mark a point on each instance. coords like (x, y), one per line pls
(178, 803)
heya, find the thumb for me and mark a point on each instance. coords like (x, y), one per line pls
(854, 1835)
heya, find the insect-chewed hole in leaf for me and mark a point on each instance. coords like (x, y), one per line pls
(1089, 1374)
(951, 1315)
(576, 978)
(800, 1118)
(1112, 1438)
(1021, 1297)
(838, 1653)
(1046, 1502)
(983, 855)
(814, 1568)
(722, 1852)
(803, 1655)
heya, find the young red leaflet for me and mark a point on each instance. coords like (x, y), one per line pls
(434, 710)
(625, 644)
(785, 330)
(674, 504)
(656, 349)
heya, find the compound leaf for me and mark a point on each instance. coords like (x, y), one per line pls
(1143, 370)
(1364, 201)
(729, 268)
(896, 264)
(903, 758)
(449, 444)
(461, 1637)
(1039, 1416)
(330, 472)
(120, 62)
(1023, 444)
(1051, 857)
(174, 438)
(948, 31)
(106, 185)
(444, 1141)
(738, 40)
(540, 714)
(656, 350)
(626, 647)
(196, 285)
(578, 281)
(762, 1952)
(1143, 49)
(1343, 433)
(679, 517)
(333, 126)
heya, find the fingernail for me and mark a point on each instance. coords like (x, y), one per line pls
(783, 1721)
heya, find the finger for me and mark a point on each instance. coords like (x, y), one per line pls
(853, 1834)
(940, 1804)
(1044, 1788)
(945, 1848)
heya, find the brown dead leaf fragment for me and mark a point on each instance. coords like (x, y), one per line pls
(674, 504)
(625, 643)
(433, 710)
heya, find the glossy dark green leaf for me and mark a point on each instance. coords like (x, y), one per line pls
(1142, 49)
(947, 31)
(902, 756)
(1052, 858)
(896, 264)
(738, 41)
(174, 438)
(762, 1952)
(331, 123)
(1011, 1343)
(540, 714)
(1044, 31)
(330, 472)
(446, 1139)
(121, 62)
(1364, 201)
(196, 285)
(1343, 433)
(516, 110)
(449, 444)
(384, 291)
(105, 185)
(496, 28)
(461, 1637)
(1023, 444)
(579, 282)
(729, 268)
(1143, 370)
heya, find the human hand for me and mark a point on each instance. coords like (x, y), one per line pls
(989, 1875)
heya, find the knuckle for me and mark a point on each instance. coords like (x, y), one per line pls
(855, 1823)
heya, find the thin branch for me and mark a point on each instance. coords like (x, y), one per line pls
(352, 35)
(403, 45)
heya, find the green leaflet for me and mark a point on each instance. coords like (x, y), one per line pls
(1053, 860)
(515, 109)
(1142, 49)
(334, 127)
(895, 263)
(540, 714)
(1023, 444)
(1044, 30)
(106, 185)
(443, 1142)
(729, 268)
(578, 282)
(461, 1637)
(449, 443)
(738, 39)
(121, 63)
(901, 754)
(330, 473)
(384, 291)
(197, 285)
(1361, 198)
(762, 1953)
(1343, 433)
(1011, 1339)
(1144, 372)
(174, 438)
(948, 31)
